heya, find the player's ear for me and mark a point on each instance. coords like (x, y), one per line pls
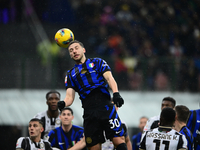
(84, 50)
(42, 129)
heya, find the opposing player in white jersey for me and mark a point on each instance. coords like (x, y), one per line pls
(153, 122)
(34, 141)
(164, 137)
(50, 117)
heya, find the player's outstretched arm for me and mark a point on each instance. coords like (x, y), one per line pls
(69, 98)
(117, 99)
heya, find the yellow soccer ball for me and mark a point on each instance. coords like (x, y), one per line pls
(63, 37)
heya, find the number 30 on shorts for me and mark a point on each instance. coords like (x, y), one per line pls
(114, 123)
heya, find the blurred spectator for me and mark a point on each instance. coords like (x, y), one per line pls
(136, 138)
(176, 49)
(161, 82)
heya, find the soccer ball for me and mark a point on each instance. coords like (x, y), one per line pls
(63, 37)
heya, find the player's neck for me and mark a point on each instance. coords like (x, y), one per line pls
(35, 139)
(179, 126)
(52, 114)
(81, 61)
(66, 128)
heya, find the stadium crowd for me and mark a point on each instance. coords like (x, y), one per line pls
(153, 45)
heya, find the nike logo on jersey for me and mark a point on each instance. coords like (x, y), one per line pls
(60, 143)
(117, 132)
(198, 121)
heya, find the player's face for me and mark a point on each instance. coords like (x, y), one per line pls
(52, 101)
(35, 129)
(166, 104)
(76, 52)
(66, 117)
(143, 122)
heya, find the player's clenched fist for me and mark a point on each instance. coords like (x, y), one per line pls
(61, 105)
(117, 99)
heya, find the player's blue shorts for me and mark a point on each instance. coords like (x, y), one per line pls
(100, 119)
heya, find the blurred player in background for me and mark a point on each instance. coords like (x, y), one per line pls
(193, 124)
(67, 136)
(136, 138)
(50, 117)
(90, 77)
(34, 140)
(153, 122)
(182, 113)
(164, 137)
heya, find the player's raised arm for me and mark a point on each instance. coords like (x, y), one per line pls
(117, 99)
(69, 98)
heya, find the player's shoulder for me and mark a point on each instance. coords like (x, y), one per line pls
(155, 118)
(20, 141)
(77, 127)
(40, 114)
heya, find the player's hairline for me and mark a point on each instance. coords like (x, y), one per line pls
(75, 41)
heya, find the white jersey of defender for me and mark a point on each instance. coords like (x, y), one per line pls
(163, 140)
(149, 123)
(50, 123)
(32, 145)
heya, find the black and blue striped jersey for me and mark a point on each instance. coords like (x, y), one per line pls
(83, 78)
(136, 141)
(193, 124)
(62, 140)
(188, 134)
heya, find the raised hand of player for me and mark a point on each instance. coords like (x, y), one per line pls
(61, 105)
(117, 99)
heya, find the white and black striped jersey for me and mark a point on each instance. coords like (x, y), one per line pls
(152, 123)
(49, 123)
(163, 138)
(26, 143)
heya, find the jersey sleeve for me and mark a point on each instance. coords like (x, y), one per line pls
(182, 144)
(51, 138)
(148, 125)
(102, 66)
(143, 141)
(20, 143)
(69, 83)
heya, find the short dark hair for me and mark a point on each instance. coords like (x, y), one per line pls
(36, 119)
(167, 116)
(67, 108)
(50, 92)
(172, 100)
(182, 113)
(75, 41)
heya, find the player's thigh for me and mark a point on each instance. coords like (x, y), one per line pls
(113, 124)
(93, 132)
(95, 147)
(118, 140)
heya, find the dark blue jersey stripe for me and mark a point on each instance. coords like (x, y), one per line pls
(85, 77)
(193, 124)
(188, 134)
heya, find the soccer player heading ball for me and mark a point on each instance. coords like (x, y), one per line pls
(90, 77)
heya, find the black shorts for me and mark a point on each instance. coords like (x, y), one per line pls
(98, 120)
